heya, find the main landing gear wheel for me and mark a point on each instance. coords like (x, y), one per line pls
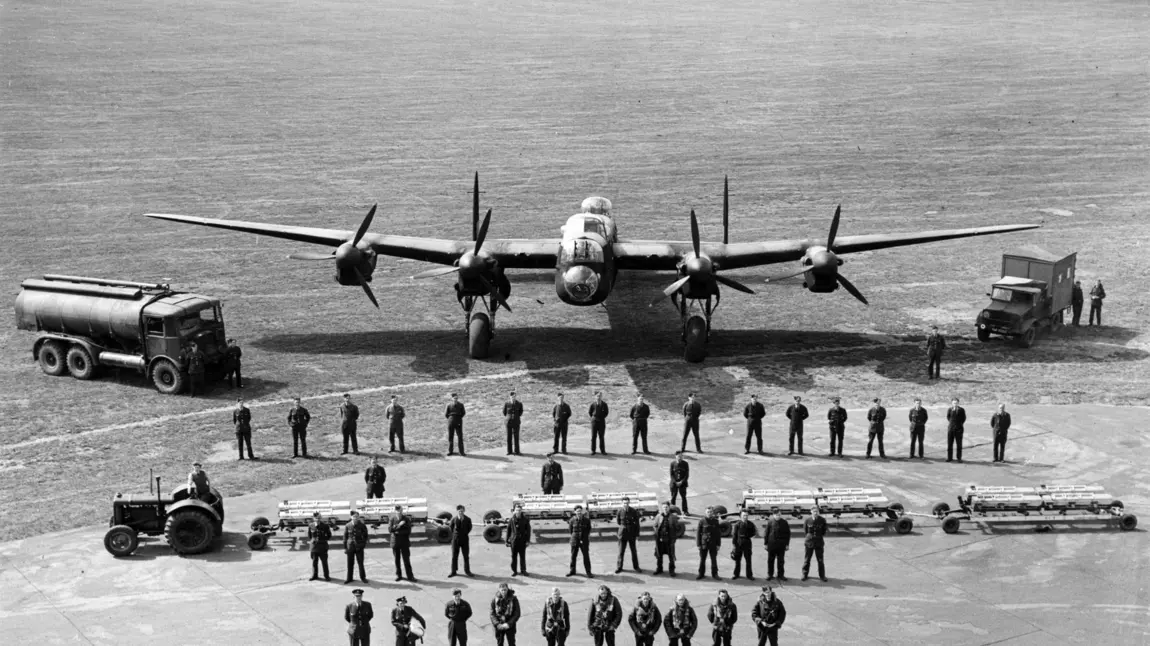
(479, 336)
(695, 339)
(51, 358)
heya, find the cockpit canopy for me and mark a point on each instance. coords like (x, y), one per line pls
(597, 205)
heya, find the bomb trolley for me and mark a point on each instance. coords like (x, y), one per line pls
(861, 505)
(558, 508)
(295, 516)
(1043, 505)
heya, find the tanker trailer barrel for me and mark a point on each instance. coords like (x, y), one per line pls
(104, 281)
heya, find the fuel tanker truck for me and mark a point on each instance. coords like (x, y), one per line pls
(83, 324)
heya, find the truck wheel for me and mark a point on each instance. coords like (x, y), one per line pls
(1026, 339)
(680, 530)
(695, 340)
(904, 525)
(983, 334)
(167, 377)
(950, 524)
(1128, 522)
(492, 533)
(121, 540)
(257, 541)
(51, 358)
(490, 516)
(479, 336)
(940, 509)
(190, 531)
(80, 363)
(258, 523)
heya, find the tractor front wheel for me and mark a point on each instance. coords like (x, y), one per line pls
(121, 540)
(190, 531)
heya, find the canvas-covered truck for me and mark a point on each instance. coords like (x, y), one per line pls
(1030, 298)
(83, 324)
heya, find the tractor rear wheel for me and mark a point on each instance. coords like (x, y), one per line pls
(121, 540)
(167, 377)
(51, 358)
(190, 531)
(479, 336)
(904, 525)
(695, 339)
(950, 524)
(80, 363)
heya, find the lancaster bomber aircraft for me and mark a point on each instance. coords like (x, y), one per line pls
(587, 260)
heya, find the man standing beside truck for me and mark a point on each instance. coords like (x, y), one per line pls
(232, 356)
(242, 419)
(1097, 293)
(1076, 301)
(197, 367)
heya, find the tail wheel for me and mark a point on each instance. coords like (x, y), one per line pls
(167, 377)
(695, 339)
(190, 531)
(479, 336)
(1128, 522)
(1027, 338)
(492, 533)
(950, 524)
(940, 509)
(490, 516)
(80, 363)
(52, 359)
(121, 540)
(904, 525)
(257, 541)
(983, 334)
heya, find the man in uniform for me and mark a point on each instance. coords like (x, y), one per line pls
(394, 415)
(837, 420)
(645, 620)
(708, 538)
(399, 533)
(197, 367)
(298, 418)
(955, 419)
(917, 417)
(722, 614)
(198, 484)
(512, 412)
(796, 413)
(374, 478)
(680, 622)
(556, 622)
(640, 412)
(560, 413)
(358, 615)
(454, 414)
(1076, 301)
(504, 615)
(680, 474)
(815, 528)
(1097, 293)
(457, 612)
(354, 541)
(754, 412)
(349, 420)
(768, 615)
(460, 526)
(691, 412)
(877, 418)
(777, 540)
(318, 535)
(518, 536)
(552, 478)
(232, 368)
(666, 532)
(401, 617)
(935, 344)
(242, 419)
(628, 520)
(742, 543)
(999, 425)
(598, 411)
(604, 617)
(580, 526)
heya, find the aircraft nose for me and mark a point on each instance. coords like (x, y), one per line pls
(581, 283)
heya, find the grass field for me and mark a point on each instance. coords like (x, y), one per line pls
(912, 115)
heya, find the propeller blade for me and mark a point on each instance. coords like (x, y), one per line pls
(792, 274)
(495, 295)
(475, 208)
(834, 226)
(364, 226)
(694, 232)
(365, 286)
(438, 271)
(734, 284)
(312, 255)
(674, 287)
(483, 231)
(726, 211)
(852, 289)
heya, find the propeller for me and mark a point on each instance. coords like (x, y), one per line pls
(821, 261)
(699, 269)
(348, 255)
(472, 266)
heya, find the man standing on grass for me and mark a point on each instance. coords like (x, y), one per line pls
(935, 344)
(1076, 301)
(349, 420)
(298, 418)
(242, 419)
(395, 415)
(233, 356)
(197, 367)
(796, 413)
(454, 414)
(1097, 293)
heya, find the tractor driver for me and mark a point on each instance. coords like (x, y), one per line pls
(199, 485)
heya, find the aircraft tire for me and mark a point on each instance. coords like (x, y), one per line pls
(479, 336)
(695, 338)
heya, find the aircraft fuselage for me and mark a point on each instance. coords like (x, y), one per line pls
(585, 267)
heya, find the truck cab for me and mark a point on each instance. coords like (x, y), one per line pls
(1030, 297)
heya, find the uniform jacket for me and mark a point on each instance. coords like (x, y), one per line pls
(358, 617)
(518, 530)
(460, 528)
(680, 622)
(401, 619)
(604, 615)
(876, 416)
(955, 418)
(742, 533)
(769, 615)
(552, 475)
(815, 529)
(935, 344)
(513, 410)
(754, 411)
(692, 410)
(232, 356)
(628, 520)
(680, 472)
(318, 534)
(556, 618)
(560, 413)
(723, 615)
(837, 416)
(1076, 295)
(777, 535)
(457, 614)
(399, 529)
(395, 415)
(1097, 292)
(797, 413)
(354, 537)
(299, 418)
(918, 417)
(707, 533)
(505, 611)
(1000, 422)
(640, 411)
(375, 476)
(598, 411)
(242, 418)
(349, 412)
(455, 409)
(666, 528)
(645, 620)
(580, 528)
(196, 361)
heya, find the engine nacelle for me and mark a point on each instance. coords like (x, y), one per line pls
(822, 277)
(345, 275)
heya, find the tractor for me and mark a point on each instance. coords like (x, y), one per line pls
(190, 524)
